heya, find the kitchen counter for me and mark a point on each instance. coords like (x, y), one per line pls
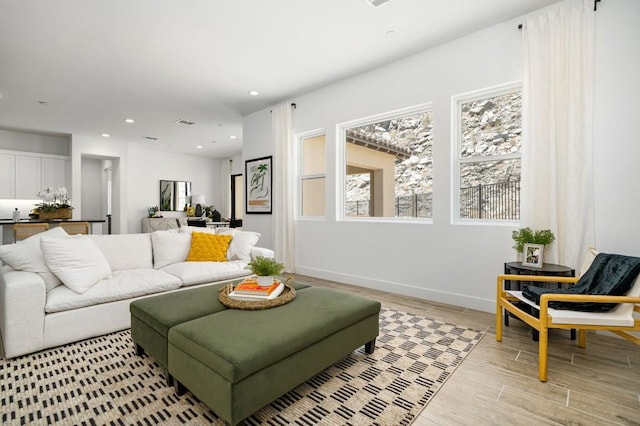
(6, 226)
(11, 222)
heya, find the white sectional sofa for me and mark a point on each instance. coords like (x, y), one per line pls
(56, 289)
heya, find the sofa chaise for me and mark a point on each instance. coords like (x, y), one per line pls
(57, 289)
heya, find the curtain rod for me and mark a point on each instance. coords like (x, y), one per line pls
(293, 105)
(595, 8)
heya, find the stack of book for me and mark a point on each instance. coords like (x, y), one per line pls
(251, 290)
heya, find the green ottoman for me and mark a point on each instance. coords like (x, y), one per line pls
(238, 361)
(152, 317)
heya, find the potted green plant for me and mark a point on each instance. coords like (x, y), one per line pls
(266, 268)
(524, 236)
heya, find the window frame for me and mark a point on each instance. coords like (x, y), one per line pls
(456, 148)
(300, 177)
(341, 163)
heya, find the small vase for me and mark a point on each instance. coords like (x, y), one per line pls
(265, 280)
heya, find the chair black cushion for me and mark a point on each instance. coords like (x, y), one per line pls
(608, 275)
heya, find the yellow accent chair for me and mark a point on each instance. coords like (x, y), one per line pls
(619, 320)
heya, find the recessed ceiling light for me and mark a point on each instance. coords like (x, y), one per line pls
(199, 146)
(45, 103)
(129, 120)
(105, 135)
(253, 92)
(232, 136)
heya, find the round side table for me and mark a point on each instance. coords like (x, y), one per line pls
(548, 269)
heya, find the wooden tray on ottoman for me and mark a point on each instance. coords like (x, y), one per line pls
(287, 295)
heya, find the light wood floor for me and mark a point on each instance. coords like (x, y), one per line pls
(497, 384)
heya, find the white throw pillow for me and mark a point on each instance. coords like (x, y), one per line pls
(191, 229)
(169, 247)
(241, 244)
(77, 261)
(26, 255)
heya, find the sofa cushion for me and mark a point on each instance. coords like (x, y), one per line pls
(208, 247)
(77, 261)
(169, 247)
(120, 285)
(192, 229)
(241, 244)
(125, 251)
(26, 255)
(191, 273)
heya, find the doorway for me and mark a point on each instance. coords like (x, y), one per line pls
(237, 196)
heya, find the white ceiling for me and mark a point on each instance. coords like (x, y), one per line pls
(98, 62)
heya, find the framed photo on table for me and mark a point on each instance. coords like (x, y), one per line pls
(533, 255)
(259, 185)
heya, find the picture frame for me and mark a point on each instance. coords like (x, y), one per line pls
(259, 185)
(533, 254)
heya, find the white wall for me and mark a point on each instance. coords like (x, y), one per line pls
(458, 263)
(148, 167)
(34, 142)
(258, 142)
(617, 127)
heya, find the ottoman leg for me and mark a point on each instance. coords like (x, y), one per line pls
(369, 347)
(180, 388)
(139, 350)
(169, 378)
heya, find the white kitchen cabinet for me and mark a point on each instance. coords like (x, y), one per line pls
(28, 176)
(7, 176)
(54, 173)
(23, 174)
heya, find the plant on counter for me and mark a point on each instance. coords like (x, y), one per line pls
(528, 236)
(265, 266)
(53, 200)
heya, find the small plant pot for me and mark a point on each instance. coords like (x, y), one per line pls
(265, 280)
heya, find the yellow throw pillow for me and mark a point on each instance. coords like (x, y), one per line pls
(208, 247)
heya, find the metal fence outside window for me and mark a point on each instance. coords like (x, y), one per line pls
(415, 205)
(492, 201)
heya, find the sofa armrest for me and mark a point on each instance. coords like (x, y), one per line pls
(22, 301)
(261, 251)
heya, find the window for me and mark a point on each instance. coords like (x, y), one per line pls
(312, 175)
(488, 153)
(388, 165)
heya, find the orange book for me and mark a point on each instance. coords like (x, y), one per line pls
(253, 288)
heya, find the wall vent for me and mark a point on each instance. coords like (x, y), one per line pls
(150, 138)
(376, 3)
(185, 122)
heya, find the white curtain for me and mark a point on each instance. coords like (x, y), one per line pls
(557, 166)
(283, 182)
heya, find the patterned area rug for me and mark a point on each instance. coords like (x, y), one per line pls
(102, 381)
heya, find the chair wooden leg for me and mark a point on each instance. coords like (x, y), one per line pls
(499, 322)
(582, 338)
(542, 353)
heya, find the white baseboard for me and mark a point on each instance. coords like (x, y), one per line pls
(480, 304)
